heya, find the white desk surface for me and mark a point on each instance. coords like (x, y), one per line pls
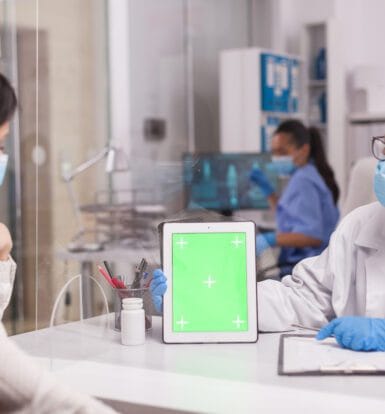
(228, 378)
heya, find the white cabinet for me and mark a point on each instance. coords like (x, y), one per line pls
(324, 96)
(258, 89)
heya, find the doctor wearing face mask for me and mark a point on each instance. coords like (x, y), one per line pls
(344, 285)
(306, 212)
(341, 291)
(24, 386)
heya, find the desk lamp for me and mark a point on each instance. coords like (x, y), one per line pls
(116, 161)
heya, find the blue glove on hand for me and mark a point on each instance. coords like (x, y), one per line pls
(265, 241)
(258, 177)
(158, 287)
(357, 333)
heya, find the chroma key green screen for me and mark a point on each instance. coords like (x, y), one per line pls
(209, 282)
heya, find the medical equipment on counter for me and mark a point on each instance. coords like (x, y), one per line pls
(122, 217)
(220, 181)
(116, 161)
(132, 322)
(128, 292)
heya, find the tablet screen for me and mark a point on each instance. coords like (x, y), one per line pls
(209, 282)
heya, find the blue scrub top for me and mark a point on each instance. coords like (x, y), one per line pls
(306, 206)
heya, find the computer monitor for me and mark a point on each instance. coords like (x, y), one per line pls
(220, 181)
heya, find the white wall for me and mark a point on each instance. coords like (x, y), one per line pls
(364, 31)
(291, 15)
(363, 22)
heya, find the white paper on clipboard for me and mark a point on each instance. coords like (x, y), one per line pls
(301, 354)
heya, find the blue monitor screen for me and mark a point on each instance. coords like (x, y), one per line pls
(220, 181)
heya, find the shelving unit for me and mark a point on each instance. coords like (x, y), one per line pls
(317, 35)
(366, 118)
(258, 89)
(317, 83)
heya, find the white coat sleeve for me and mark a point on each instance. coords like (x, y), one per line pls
(24, 386)
(7, 277)
(306, 296)
(27, 388)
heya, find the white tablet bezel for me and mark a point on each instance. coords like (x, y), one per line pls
(169, 336)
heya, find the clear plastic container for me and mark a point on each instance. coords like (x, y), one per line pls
(143, 293)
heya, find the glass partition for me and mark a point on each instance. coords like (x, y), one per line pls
(112, 96)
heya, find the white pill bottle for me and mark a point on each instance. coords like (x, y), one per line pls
(133, 322)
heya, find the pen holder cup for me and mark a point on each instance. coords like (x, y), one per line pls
(143, 293)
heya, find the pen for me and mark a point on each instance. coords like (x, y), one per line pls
(106, 276)
(112, 281)
(106, 265)
(139, 269)
(118, 283)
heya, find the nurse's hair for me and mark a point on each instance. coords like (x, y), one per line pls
(8, 101)
(300, 135)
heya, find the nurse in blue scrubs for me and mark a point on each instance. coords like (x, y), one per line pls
(306, 212)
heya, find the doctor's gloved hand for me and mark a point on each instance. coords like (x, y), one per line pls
(258, 177)
(158, 287)
(356, 332)
(264, 241)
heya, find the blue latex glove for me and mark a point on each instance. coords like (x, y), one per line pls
(264, 241)
(158, 287)
(258, 177)
(356, 332)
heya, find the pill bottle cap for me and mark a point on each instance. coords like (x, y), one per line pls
(132, 303)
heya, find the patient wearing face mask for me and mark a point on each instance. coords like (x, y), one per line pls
(24, 386)
(306, 212)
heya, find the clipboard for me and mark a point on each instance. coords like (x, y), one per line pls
(345, 362)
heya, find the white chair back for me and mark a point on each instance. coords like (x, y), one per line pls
(360, 187)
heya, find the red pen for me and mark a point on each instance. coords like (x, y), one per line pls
(118, 283)
(106, 276)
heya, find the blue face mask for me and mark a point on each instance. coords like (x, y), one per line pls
(3, 166)
(379, 182)
(283, 165)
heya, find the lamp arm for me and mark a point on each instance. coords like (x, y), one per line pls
(87, 164)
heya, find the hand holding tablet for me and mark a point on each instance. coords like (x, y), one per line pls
(211, 275)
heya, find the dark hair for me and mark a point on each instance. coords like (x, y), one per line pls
(301, 135)
(8, 101)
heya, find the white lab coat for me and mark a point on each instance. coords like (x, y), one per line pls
(24, 386)
(348, 278)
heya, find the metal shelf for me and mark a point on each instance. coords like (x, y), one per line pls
(317, 83)
(366, 117)
(319, 125)
(285, 115)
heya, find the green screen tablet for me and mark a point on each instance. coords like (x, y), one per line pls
(211, 294)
